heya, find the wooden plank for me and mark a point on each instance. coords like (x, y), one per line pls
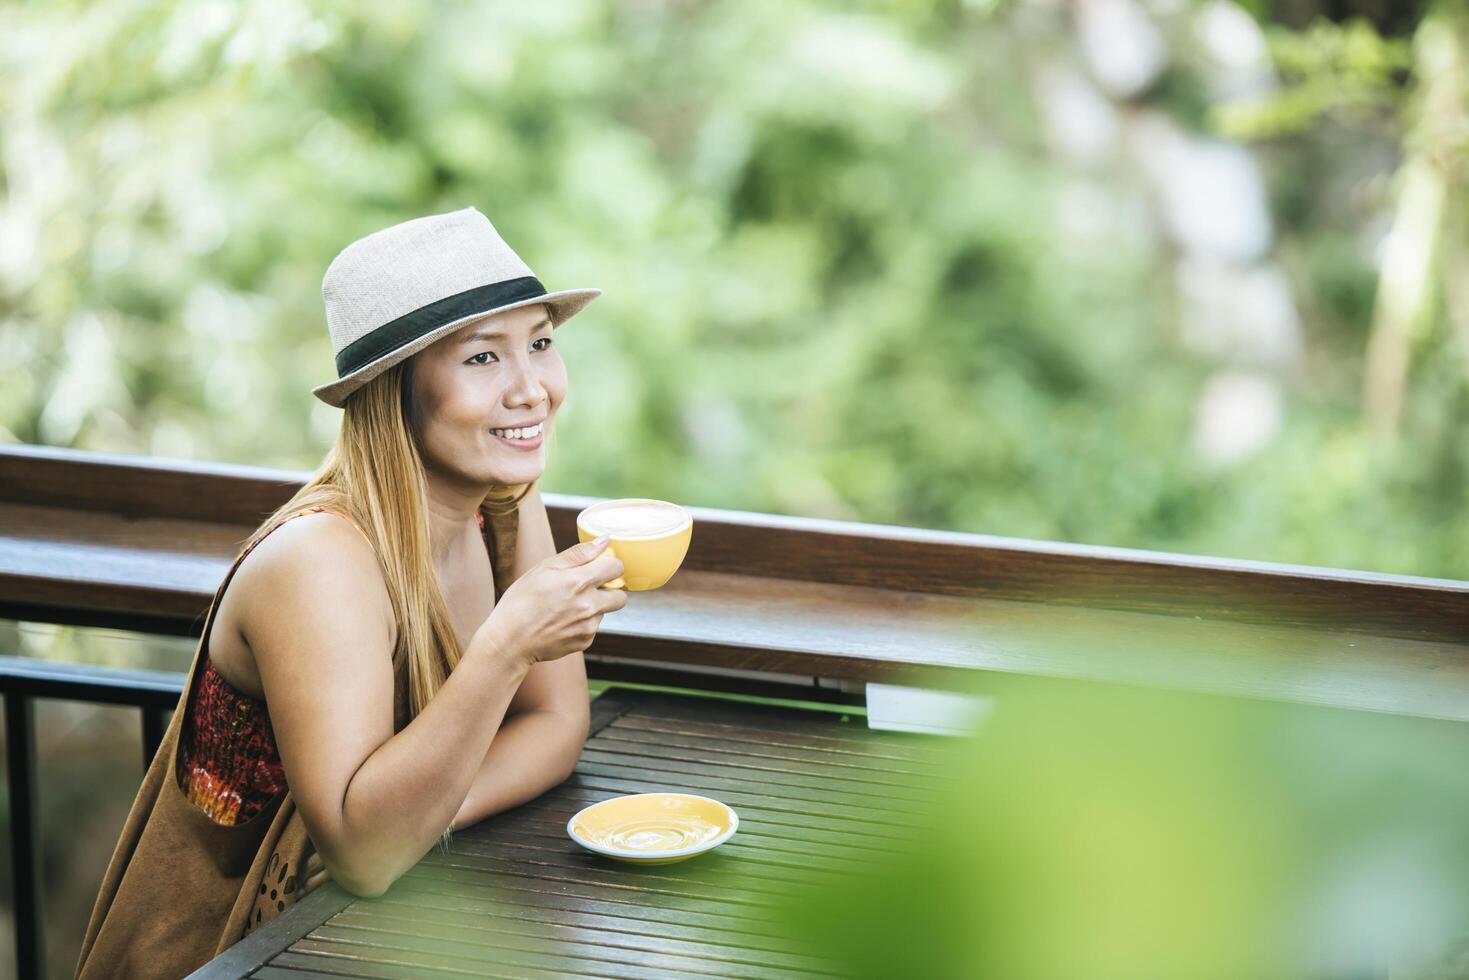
(678, 758)
(885, 558)
(456, 879)
(629, 881)
(258, 947)
(286, 973)
(700, 677)
(622, 917)
(760, 720)
(434, 945)
(606, 708)
(799, 785)
(106, 563)
(903, 560)
(761, 741)
(762, 871)
(143, 486)
(940, 641)
(452, 923)
(141, 543)
(364, 950)
(347, 960)
(677, 744)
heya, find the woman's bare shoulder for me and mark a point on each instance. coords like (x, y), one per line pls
(315, 571)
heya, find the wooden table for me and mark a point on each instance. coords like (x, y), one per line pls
(515, 896)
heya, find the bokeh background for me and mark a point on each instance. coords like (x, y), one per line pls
(1178, 275)
(1132, 274)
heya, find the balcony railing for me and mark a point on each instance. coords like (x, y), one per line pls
(783, 606)
(23, 680)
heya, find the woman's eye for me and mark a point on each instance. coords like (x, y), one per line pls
(484, 353)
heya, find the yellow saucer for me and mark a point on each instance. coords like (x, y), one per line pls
(653, 828)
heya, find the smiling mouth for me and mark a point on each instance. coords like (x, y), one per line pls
(522, 440)
(522, 432)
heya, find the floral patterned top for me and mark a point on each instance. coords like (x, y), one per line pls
(229, 765)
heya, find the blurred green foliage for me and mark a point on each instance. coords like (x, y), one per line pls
(1344, 68)
(1108, 833)
(843, 269)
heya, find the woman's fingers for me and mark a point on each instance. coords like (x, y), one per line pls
(316, 871)
(602, 570)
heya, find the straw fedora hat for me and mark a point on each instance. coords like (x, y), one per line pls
(396, 291)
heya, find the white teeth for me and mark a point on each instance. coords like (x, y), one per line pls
(529, 433)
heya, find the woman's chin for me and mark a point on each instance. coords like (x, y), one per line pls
(515, 464)
(525, 471)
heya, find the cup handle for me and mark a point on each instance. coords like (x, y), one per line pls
(616, 583)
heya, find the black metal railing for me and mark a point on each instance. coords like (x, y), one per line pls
(22, 681)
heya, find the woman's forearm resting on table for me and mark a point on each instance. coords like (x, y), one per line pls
(400, 800)
(532, 752)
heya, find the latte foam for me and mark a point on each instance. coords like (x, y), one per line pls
(634, 519)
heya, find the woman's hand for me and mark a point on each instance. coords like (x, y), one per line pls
(556, 608)
(318, 617)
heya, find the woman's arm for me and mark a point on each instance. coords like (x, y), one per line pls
(320, 623)
(546, 723)
(533, 751)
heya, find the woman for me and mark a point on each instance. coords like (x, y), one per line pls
(371, 679)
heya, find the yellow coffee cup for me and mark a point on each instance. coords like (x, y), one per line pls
(650, 537)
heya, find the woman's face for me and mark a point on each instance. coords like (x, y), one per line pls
(498, 372)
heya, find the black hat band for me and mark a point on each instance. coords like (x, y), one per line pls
(412, 325)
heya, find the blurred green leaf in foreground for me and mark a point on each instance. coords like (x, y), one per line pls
(1099, 832)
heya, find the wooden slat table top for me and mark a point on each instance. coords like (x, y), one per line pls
(516, 897)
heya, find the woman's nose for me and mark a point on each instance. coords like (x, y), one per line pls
(525, 386)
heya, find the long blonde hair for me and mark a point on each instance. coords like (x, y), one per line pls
(374, 474)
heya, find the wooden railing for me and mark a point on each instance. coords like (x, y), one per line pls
(786, 606)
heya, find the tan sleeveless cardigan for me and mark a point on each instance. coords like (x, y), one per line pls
(180, 889)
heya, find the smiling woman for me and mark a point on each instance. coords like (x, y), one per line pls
(455, 377)
(400, 650)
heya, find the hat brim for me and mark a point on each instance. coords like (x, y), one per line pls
(562, 305)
